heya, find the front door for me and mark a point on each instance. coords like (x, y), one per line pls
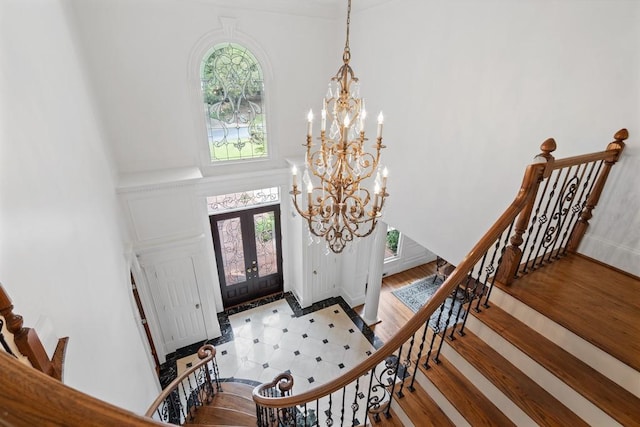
(247, 245)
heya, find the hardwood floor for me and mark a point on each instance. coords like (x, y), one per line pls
(393, 313)
(598, 303)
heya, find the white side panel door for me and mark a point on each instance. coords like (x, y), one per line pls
(175, 294)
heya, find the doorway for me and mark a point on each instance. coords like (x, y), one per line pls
(248, 252)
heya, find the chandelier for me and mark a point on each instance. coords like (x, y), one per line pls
(339, 207)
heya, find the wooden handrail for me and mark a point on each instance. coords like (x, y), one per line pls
(542, 168)
(29, 397)
(28, 342)
(206, 353)
(533, 175)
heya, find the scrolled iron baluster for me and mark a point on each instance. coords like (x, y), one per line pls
(588, 181)
(354, 405)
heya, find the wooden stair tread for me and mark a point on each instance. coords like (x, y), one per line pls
(212, 415)
(578, 293)
(241, 389)
(392, 421)
(600, 390)
(474, 406)
(234, 401)
(421, 408)
(535, 401)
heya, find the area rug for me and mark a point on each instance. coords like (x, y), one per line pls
(418, 293)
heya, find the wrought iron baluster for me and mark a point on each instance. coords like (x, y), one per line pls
(579, 202)
(420, 348)
(567, 193)
(372, 374)
(487, 291)
(436, 331)
(344, 390)
(407, 365)
(536, 223)
(355, 406)
(550, 228)
(446, 326)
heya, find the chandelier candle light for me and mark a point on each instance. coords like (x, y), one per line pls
(339, 208)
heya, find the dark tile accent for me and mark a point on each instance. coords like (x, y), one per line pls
(190, 364)
(256, 340)
(318, 359)
(346, 347)
(351, 331)
(168, 369)
(223, 352)
(312, 320)
(311, 380)
(368, 353)
(275, 310)
(285, 330)
(247, 320)
(325, 340)
(341, 366)
(297, 353)
(265, 365)
(276, 346)
(331, 325)
(305, 335)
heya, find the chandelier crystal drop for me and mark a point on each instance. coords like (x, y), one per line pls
(339, 206)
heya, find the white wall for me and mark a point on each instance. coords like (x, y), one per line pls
(61, 249)
(470, 89)
(144, 64)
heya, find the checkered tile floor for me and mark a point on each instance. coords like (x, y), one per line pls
(270, 339)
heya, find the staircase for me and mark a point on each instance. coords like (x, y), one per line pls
(560, 346)
(231, 406)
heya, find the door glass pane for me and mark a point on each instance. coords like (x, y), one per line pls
(232, 251)
(264, 224)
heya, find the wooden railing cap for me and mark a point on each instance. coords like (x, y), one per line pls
(621, 135)
(548, 146)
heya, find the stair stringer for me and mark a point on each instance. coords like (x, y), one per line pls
(508, 408)
(552, 384)
(612, 368)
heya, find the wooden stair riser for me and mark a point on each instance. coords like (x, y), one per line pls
(610, 367)
(558, 389)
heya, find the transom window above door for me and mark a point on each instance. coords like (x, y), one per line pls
(242, 200)
(233, 94)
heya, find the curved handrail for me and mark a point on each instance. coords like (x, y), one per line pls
(206, 353)
(532, 176)
(541, 168)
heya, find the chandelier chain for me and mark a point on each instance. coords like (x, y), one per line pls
(347, 50)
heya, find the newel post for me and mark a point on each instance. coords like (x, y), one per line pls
(615, 148)
(540, 169)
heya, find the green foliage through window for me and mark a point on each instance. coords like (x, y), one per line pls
(233, 94)
(393, 238)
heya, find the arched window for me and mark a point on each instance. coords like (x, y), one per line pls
(233, 93)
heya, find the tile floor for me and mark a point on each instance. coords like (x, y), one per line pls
(270, 339)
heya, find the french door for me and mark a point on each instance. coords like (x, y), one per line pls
(248, 252)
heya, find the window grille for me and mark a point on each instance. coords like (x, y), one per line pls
(233, 92)
(242, 200)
